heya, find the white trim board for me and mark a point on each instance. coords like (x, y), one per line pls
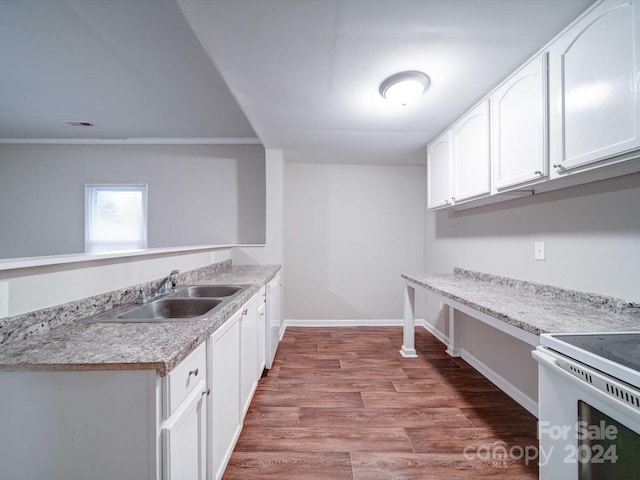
(360, 322)
(502, 383)
(136, 141)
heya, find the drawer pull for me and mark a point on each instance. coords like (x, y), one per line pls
(244, 312)
(193, 372)
(206, 393)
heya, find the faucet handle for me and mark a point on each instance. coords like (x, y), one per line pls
(173, 279)
(142, 297)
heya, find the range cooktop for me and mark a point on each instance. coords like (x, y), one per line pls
(617, 354)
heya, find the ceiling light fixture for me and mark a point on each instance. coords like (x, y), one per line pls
(405, 87)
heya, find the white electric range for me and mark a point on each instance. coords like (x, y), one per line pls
(589, 406)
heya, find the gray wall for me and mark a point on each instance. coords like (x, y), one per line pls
(350, 231)
(591, 234)
(198, 194)
(592, 239)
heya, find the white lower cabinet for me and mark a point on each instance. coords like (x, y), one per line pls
(249, 353)
(234, 363)
(224, 364)
(262, 330)
(184, 439)
(68, 425)
(134, 424)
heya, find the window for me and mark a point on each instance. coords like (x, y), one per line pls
(115, 217)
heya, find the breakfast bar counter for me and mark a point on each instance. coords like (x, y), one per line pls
(521, 309)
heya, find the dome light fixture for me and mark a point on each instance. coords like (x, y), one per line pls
(405, 87)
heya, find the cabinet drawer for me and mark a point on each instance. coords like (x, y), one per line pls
(184, 378)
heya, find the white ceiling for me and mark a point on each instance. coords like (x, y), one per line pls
(134, 68)
(304, 72)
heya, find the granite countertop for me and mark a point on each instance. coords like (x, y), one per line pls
(533, 307)
(128, 346)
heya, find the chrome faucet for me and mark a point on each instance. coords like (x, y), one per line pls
(160, 290)
(163, 287)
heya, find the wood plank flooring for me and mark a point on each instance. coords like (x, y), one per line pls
(342, 403)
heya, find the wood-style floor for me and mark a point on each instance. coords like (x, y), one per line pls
(342, 403)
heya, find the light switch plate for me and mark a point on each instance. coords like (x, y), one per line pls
(539, 251)
(4, 299)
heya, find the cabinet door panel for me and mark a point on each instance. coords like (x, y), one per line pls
(184, 440)
(225, 393)
(596, 64)
(471, 154)
(248, 354)
(438, 167)
(519, 126)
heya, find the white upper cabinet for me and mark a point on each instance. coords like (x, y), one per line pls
(593, 70)
(471, 154)
(438, 167)
(519, 127)
(572, 108)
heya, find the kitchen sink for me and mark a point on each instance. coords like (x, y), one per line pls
(190, 302)
(172, 308)
(199, 291)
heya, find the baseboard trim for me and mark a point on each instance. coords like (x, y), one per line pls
(434, 331)
(502, 383)
(358, 322)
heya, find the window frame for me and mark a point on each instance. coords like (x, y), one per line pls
(90, 192)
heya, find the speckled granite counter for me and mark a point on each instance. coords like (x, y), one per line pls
(533, 307)
(125, 346)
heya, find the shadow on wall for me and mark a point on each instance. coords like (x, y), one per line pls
(604, 206)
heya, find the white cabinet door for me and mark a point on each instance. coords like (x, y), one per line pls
(593, 70)
(249, 360)
(519, 126)
(184, 439)
(472, 154)
(438, 168)
(262, 331)
(273, 318)
(224, 365)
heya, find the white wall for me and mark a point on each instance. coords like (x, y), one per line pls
(198, 194)
(36, 288)
(272, 252)
(592, 238)
(350, 231)
(591, 234)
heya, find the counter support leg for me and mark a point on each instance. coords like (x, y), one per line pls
(408, 346)
(455, 333)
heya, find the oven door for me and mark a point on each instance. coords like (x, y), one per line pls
(588, 423)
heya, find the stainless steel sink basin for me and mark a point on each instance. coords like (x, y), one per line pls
(172, 308)
(199, 291)
(190, 302)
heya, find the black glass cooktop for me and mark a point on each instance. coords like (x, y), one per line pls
(622, 348)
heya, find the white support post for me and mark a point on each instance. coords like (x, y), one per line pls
(455, 332)
(408, 347)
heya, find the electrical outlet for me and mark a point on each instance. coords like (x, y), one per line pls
(441, 306)
(538, 248)
(4, 299)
